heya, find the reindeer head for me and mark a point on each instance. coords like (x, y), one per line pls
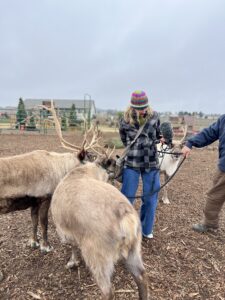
(90, 145)
(177, 145)
(90, 148)
(107, 163)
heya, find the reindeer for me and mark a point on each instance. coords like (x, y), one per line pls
(29, 180)
(92, 214)
(169, 162)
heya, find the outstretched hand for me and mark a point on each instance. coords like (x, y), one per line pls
(186, 151)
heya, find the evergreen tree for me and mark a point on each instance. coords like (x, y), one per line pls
(21, 113)
(119, 115)
(64, 122)
(73, 116)
(201, 115)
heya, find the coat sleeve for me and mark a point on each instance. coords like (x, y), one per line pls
(122, 133)
(206, 137)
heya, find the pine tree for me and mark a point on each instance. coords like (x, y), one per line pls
(21, 113)
(73, 116)
(64, 122)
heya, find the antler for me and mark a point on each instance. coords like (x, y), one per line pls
(63, 142)
(185, 127)
(95, 138)
(92, 145)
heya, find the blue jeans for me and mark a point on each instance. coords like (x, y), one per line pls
(151, 182)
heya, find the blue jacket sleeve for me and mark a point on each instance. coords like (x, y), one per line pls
(206, 137)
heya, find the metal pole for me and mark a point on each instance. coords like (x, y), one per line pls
(86, 94)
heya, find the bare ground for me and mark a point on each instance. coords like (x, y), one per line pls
(180, 263)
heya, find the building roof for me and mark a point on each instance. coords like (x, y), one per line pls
(60, 103)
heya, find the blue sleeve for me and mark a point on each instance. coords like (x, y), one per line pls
(206, 137)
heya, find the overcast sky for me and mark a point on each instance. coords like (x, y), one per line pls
(172, 49)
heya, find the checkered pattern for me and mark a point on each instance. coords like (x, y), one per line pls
(143, 153)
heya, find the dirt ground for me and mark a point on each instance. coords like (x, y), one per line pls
(180, 263)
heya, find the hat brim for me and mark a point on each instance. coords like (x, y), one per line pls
(138, 107)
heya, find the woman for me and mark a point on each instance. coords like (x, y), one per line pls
(142, 158)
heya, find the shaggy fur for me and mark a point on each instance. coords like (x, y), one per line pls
(96, 217)
(29, 180)
(168, 165)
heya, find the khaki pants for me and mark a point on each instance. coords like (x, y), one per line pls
(215, 199)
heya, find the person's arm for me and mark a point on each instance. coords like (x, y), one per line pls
(206, 137)
(122, 133)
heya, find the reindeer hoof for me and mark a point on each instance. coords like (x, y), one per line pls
(46, 249)
(72, 264)
(166, 201)
(33, 244)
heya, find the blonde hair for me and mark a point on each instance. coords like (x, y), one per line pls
(128, 115)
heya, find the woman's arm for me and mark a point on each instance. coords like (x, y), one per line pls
(122, 133)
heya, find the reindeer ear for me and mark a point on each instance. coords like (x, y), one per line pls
(108, 162)
(81, 155)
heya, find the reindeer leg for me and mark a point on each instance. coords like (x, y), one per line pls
(102, 275)
(73, 261)
(33, 242)
(135, 266)
(102, 268)
(43, 215)
(165, 198)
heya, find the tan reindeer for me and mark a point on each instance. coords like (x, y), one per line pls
(169, 162)
(92, 214)
(29, 180)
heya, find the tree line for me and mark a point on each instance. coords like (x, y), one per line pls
(24, 118)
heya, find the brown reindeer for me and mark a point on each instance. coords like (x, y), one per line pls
(29, 180)
(92, 214)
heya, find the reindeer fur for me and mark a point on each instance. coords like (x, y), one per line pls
(93, 215)
(29, 180)
(168, 165)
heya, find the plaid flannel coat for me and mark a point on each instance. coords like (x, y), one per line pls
(143, 153)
